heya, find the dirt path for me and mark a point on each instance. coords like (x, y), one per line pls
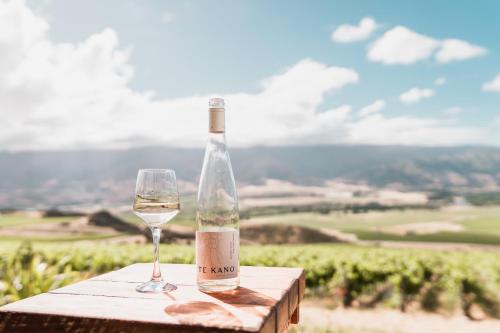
(389, 321)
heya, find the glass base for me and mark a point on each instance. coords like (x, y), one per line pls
(155, 287)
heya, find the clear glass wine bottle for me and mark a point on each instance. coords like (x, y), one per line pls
(217, 237)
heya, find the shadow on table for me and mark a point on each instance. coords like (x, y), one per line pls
(243, 304)
(244, 296)
(204, 313)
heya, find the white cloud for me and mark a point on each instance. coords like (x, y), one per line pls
(374, 107)
(341, 112)
(456, 49)
(453, 110)
(167, 17)
(415, 95)
(347, 33)
(402, 46)
(493, 85)
(378, 129)
(440, 81)
(77, 95)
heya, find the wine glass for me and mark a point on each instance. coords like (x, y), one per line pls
(156, 202)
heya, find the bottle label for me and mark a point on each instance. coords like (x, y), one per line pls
(217, 254)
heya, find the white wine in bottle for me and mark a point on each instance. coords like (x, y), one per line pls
(217, 237)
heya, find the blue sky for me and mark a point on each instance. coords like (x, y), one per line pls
(181, 52)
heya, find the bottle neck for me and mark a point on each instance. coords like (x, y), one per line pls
(217, 139)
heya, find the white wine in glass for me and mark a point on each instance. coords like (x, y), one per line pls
(156, 202)
(156, 211)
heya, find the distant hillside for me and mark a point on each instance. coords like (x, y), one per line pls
(42, 178)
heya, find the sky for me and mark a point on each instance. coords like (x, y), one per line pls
(119, 74)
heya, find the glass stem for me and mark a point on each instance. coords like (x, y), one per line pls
(156, 231)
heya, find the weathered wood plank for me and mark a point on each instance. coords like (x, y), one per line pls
(282, 318)
(137, 273)
(242, 295)
(215, 314)
(295, 316)
(293, 297)
(270, 325)
(301, 287)
(46, 323)
(267, 300)
(186, 274)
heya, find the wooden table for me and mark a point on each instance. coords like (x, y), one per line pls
(266, 301)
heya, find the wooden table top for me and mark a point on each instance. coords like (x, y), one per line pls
(266, 301)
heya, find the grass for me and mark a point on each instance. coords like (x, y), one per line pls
(481, 224)
(17, 221)
(66, 238)
(441, 237)
(490, 224)
(14, 220)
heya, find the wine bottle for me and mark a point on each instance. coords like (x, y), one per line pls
(217, 237)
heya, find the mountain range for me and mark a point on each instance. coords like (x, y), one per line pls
(41, 178)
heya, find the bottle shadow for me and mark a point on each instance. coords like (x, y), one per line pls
(244, 296)
(202, 313)
(243, 305)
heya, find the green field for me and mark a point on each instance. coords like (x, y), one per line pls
(61, 239)
(480, 225)
(15, 220)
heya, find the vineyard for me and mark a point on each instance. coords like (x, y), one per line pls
(442, 281)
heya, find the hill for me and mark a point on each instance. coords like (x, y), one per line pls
(41, 178)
